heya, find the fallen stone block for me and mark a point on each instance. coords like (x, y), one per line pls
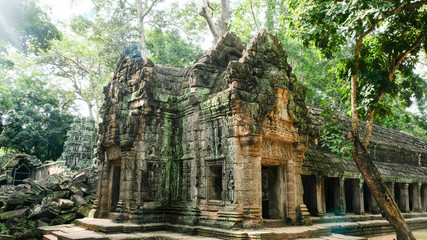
(12, 214)
(69, 217)
(84, 211)
(41, 211)
(78, 200)
(6, 237)
(65, 203)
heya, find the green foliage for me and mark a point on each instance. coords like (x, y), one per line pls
(34, 118)
(26, 26)
(4, 229)
(398, 118)
(169, 49)
(315, 72)
(333, 133)
(77, 60)
(332, 26)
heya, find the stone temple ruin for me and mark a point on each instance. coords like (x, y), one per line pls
(229, 143)
(80, 144)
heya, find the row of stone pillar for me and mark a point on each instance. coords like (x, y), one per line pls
(409, 197)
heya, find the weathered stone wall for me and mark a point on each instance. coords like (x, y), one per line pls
(80, 144)
(188, 145)
(16, 167)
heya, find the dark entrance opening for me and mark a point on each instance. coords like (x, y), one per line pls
(411, 197)
(309, 197)
(397, 195)
(115, 185)
(19, 173)
(215, 188)
(350, 188)
(270, 192)
(332, 194)
(367, 198)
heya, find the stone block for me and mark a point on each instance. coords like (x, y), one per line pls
(65, 203)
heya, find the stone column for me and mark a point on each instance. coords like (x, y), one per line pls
(340, 209)
(359, 205)
(291, 190)
(424, 197)
(416, 197)
(248, 191)
(404, 197)
(122, 198)
(320, 196)
(102, 201)
(130, 180)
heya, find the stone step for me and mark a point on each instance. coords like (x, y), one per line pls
(49, 237)
(79, 235)
(336, 237)
(373, 227)
(330, 218)
(273, 223)
(89, 229)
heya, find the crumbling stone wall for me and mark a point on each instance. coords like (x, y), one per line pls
(80, 144)
(188, 145)
(16, 167)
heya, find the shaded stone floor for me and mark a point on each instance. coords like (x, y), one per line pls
(350, 227)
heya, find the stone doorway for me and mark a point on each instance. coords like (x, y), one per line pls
(332, 197)
(309, 196)
(271, 192)
(351, 188)
(114, 184)
(20, 172)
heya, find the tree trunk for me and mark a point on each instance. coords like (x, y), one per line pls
(90, 106)
(141, 30)
(379, 190)
(224, 17)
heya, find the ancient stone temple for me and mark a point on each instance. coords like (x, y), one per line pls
(218, 144)
(80, 144)
(230, 143)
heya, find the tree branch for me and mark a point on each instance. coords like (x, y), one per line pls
(149, 9)
(355, 75)
(370, 120)
(224, 17)
(253, 15)
(403, 56)
(205, 15)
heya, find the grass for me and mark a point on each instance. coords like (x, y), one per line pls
(421, 234)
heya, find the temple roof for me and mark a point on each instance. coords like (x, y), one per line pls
(398, 155)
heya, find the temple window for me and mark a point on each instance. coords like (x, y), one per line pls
(214, 182)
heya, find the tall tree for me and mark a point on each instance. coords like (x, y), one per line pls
(34, 114)
(78, 60)
(166, 47)
(386, 37)
(144, 8)
(217, 29)
(116, 23)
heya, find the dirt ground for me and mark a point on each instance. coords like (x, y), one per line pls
(419, 234)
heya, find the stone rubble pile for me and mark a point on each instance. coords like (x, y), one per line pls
(51, 201)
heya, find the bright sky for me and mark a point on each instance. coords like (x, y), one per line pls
(64, 10)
